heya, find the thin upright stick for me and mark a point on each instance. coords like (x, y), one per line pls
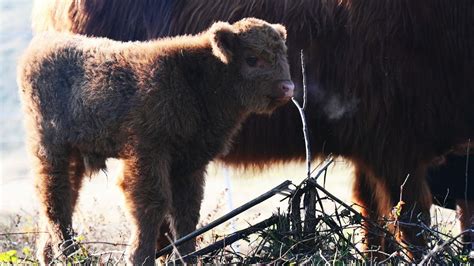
(303, 72)
(467, 170)
(303, 119)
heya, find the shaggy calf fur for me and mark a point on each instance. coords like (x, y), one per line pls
(165, 107)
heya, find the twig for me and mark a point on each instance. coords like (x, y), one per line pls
(356, 213)
(175, 248)
(310, 211)
(224, 218)
(329, 161)
(295, 212)
(303, 72)
(109, 252)
(22, 233)
(322, 256)
(402, 186)
(466, 172)
(303, 118)
(306, 140)
(438, 248)
(288, 250)
(335, 256)
(235, 237)
(398, 208)
(121, 257)
(333, 226)
(103, 243)
(313, 197)
(393, 255)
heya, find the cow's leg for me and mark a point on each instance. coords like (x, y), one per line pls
(188, 192)
(368, 194)
(162, 240)
(54, 190)
(147, 190)
(465, 210)
(417, 201)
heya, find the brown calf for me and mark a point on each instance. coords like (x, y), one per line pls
(165, 107)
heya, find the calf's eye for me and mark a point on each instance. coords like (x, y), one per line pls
(251, 61)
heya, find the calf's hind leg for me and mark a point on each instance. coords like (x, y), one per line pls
(76, 175)
(55, 193)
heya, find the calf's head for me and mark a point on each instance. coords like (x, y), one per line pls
(255, 50)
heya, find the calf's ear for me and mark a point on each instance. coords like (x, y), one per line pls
(280, 29)
(223, 41)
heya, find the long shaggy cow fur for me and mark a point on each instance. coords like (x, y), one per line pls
(390, 82)
(165, 107)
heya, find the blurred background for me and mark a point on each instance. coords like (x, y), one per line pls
(15, 34)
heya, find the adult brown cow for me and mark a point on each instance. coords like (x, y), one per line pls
(390, 82)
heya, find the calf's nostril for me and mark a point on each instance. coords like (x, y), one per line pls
(288, 88)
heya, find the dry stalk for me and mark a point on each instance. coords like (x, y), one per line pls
(303, 118)
(174, 248)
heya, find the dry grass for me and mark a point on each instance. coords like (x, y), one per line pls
(335, 236)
